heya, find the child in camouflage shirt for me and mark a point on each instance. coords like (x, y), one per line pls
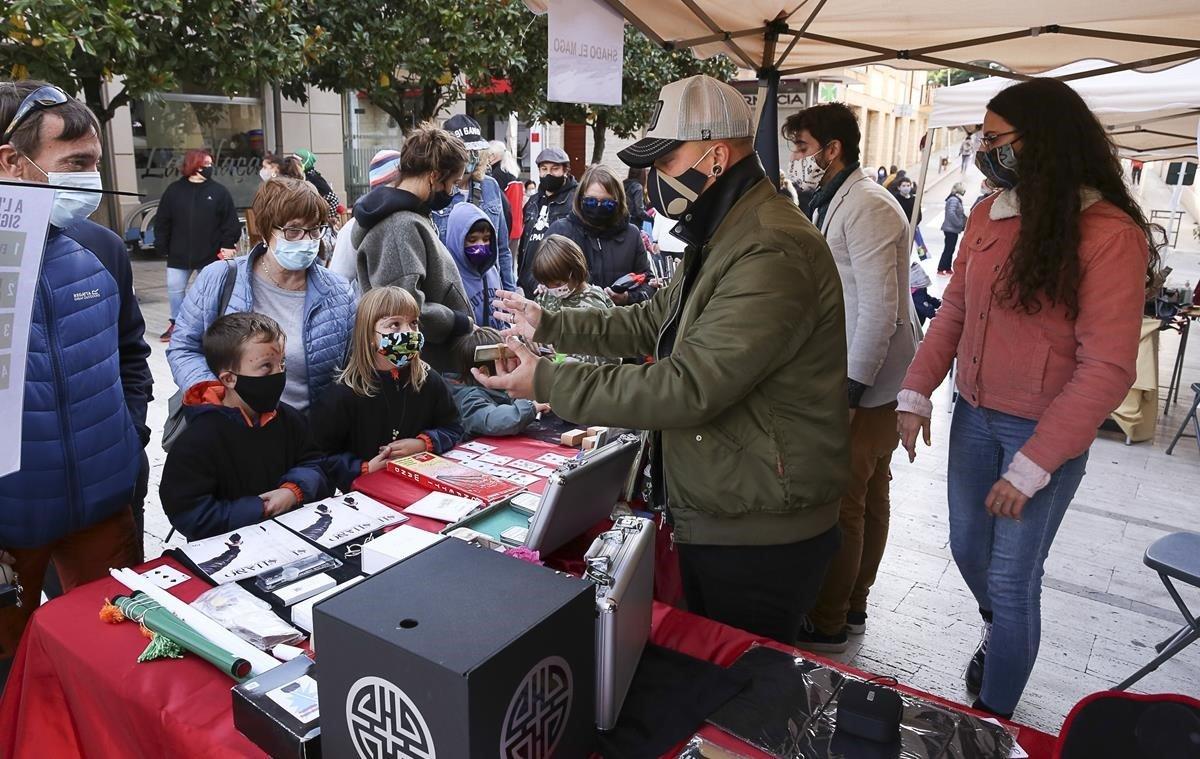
(562, 273)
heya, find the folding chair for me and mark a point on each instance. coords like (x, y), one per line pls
(1173, 556)
(1191, 417)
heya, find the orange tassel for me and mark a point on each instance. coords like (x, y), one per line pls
(146, 632)
(110, 613)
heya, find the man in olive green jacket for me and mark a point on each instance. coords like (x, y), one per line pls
(749, 384)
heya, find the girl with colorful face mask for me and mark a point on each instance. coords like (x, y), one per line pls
(387, 402)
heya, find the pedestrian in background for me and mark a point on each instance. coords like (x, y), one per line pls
(479, 189)
(556, 191)
(505, 170)
(280, 166)
(967, 152)
(952, 226)
(1044, 318)
(308, 161)
(599, 224)
(195, 224)
(384, 171)
(635, 196)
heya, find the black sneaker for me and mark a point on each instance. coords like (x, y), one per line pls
(856, 622)
(165, 337)
(974, 677)
(811, 639)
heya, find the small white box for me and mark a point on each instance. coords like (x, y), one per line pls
(306, 588)
(302, 612)
(397, 545)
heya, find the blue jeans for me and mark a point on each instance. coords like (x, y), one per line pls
(1002, 559)
(177, 284)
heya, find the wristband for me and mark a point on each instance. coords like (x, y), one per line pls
(296, 491)
(428, 441)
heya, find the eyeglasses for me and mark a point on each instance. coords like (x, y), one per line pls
(609, 205)
(295, 234)
(40, 99)
(987, 140)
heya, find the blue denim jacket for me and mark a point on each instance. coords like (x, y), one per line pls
(493, 206)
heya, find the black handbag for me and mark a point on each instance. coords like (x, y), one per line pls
(176, 421)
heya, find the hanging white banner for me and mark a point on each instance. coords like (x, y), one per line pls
(24, 218)
(587, 50)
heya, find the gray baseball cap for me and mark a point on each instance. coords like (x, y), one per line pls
(692, 109)
(552, 155)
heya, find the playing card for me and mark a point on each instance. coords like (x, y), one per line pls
(165, 577)
(477, 465)
(525, 466)
(521, 478)
(492, 458)
(460, 455)
(477, 447)
(544, 472)
(553, 459)
(504, 472)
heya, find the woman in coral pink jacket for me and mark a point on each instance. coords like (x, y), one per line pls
(1043, 314)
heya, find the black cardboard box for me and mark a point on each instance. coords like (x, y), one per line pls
(459, 652)
(278, 711)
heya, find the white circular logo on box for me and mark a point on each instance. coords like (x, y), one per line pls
(537, 714)
(384, 722)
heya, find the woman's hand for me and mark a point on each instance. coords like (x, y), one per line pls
(278, 501)
(908, 425)
(541, 408)
(522, 314)
(1004, 500)
(618, 299)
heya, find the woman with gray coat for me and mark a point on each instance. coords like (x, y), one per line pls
(952, 227)
(397, 243)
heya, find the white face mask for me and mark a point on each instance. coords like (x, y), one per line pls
(906, 190)
(264, 174)
(560, 292)
(72, 205)
(811, 172)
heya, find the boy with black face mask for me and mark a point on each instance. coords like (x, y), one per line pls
(244, 457)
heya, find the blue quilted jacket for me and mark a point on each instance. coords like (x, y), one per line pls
(329, 307)
(87, 385)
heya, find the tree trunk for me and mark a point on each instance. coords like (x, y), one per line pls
(599, 131)
(429, 101)
(109, 213)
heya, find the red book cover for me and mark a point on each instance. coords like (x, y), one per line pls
(436, 473)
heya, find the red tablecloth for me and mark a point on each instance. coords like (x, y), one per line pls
(76, 688)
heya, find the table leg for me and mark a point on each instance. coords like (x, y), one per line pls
(1177, 371)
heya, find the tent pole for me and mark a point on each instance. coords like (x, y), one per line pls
(926, 151)
(766, 138)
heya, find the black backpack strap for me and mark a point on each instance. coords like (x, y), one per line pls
(226, 290)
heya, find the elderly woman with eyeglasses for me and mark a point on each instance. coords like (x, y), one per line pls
(599, 225)
(282, 278)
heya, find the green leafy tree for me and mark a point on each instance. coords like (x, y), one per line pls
(647, 67)
(414, 58)
(228, 46)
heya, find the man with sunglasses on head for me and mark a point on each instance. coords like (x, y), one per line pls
(87, 382)
(746, 396)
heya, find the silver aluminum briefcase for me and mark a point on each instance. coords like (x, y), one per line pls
(621, 563)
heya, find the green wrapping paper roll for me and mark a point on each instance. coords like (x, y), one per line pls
(143, 609)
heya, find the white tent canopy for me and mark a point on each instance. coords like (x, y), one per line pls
(1150, 116)
(1024, 36)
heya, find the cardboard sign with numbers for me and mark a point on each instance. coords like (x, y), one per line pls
(24, 218)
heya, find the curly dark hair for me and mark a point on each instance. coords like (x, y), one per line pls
(1064, 148)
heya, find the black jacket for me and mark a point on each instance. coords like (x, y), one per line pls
(220, 465)
(611, 253)
(540, 212)
(194, 220)
(635, 198)
(351, 428)
(314, 178)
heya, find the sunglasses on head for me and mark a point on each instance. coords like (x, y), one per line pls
(592, 204)
(47, 96)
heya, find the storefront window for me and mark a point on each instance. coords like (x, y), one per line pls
(167, 126)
